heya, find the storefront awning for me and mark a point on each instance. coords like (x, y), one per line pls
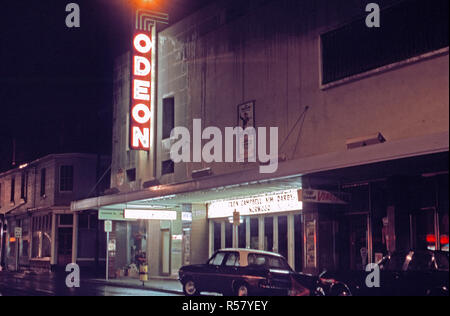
(288, 176)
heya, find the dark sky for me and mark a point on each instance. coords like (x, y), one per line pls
(56, 82)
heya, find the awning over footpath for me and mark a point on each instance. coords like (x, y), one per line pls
(288, 176)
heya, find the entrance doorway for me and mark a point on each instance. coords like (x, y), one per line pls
(423, 229)
(353, 242)
(281, 233)
(64, 246)
(165, 252)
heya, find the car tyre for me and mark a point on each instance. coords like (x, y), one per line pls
(319, 291)
(190, 288)
(342, 291)
(242, 289)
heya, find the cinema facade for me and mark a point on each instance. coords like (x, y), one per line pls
(363, 138)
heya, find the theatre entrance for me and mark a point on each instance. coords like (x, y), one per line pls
(352, 242)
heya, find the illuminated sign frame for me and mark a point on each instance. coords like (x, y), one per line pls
(276, 202)
(150, 214)
(141, 114)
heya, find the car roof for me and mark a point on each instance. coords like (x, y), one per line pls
(249, 251)
(418, 251)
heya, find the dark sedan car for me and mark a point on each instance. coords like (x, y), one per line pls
(244, 272)
(404, 273)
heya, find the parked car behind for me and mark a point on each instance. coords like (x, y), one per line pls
(404, 273)
(245, 272)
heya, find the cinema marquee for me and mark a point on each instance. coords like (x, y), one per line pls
(141, 93)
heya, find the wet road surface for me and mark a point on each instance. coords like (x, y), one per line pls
(50, 285)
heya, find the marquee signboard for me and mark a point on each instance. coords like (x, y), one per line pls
(320, 196)
(276, 202)
(141, 90)
(150, 214)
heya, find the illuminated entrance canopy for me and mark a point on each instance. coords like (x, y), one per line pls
(277, 202)
(141, 87)
(150, 214)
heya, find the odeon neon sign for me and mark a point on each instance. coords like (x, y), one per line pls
(141, 97)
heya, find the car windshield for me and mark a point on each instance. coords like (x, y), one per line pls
(421, 262)
(267, 261)
(217, 259)
(395, 262)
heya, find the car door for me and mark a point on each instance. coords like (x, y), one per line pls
(208, 279)
(391, 275)
(418, 274)
(229, 272)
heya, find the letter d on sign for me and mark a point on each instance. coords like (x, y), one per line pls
(73, 279)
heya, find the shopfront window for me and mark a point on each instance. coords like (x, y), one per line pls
(228, 235)
(46, 245)
(444, 234)
(272, 229)
(423, 233)
(379, 205)
(254, 233)
(298, 231)
(41, 234)
(268, 233)
(443, 209)
(138, 242)
(217, 236)
(88, 237)
(283, 236)
(242, 235)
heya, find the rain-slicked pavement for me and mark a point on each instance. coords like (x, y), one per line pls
(54, 285)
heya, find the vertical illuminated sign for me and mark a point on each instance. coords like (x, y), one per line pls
(141, 95)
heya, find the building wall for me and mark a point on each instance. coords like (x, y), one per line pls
(272, 55)
(232, 52)
(86, 170)
(85, 179)
(270, 51)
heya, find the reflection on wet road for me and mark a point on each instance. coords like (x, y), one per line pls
(48, 285)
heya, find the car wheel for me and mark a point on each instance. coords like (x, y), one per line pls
(319, 291)
(190, 288)
(341, 291)
(242, 290)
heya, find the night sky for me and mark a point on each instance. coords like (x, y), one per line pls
(55, 81)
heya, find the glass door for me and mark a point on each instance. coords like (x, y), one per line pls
(165, 252)
(64, 246)
(353, 242)
(423, 229)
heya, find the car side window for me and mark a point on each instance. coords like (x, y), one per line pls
(277, 263)
(257, 260)
(232, 260)
(267, 261)
(441, 261)
(420, 263)
(217, 259)
(394, 263)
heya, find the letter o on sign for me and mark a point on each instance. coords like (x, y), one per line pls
(136, 113)
(142, 43)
